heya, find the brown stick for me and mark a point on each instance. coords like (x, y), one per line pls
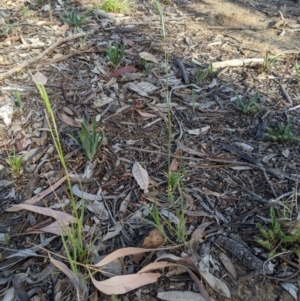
(26, 63)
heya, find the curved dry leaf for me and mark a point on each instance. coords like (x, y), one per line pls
(228, 265)
(121, 253)
(39, 196)
(4, 183)
(123, 284)
(291, 288)
(156, 265)
(148, 57)
(63, 217)
(85, 195)
(189, 200)
(188, 263)
(141, 176)
(62, 267)
(146, 87)
(175, 161)
(18, 285)
(163, 264)
(198, 233)
(216, 284)
(145, 114)
(133, 87)
(171, 216)
(120, 71)
(56, 228)
(9, 294)
(68, 120)
(112, 269)
(110, 234)
(199, 131)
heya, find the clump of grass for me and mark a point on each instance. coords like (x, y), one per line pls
(15, 164)
(275, 239)
(76, 250)
(268, 62)
(116, 6)
(248, 107)
(115, 53)
(89, 140)
(173, 177)
(73, 18)
(282, 133)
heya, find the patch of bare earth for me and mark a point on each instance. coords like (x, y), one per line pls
(232, 173)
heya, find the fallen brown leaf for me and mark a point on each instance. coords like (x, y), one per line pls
(126, 283)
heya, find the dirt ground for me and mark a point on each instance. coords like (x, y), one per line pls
(232, 173)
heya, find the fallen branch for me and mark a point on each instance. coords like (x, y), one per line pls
(29, 62)
(243, 62)
(235, 63)
(286, 95)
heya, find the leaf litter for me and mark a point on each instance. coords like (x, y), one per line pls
(220, 150)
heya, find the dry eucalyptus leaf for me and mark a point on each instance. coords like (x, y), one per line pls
(40, 79)
(133, 87)
(63, 267)
(126, 283)
(113, 232)
(141, 176)
(146, 87)
(121, 253)
(148, 57)
(216, 284)
(228, 265)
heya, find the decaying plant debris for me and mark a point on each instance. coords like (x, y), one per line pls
(116, 72)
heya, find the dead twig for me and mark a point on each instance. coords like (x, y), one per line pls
(27, 63)
(182, 70)
(286, 95)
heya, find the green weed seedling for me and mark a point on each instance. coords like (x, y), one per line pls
(6, 239)
(115, 53)
(18, 99)
(249, 107)
(147, 65)
(201, 75)
(90, 141)
(73, 19)
(297, 71)
(174, 179)
(275, 239)
(282, 133)
(116, 6)
(268, 62)
(25, 11)
(15, 164)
